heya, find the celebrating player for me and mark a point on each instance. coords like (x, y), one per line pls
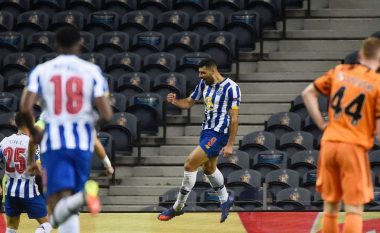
(67, 86)
(354, 112)
(222, 99)
(21, 190)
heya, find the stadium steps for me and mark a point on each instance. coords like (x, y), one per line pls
(337, 13)
(149, 171)
(334, 24)
(128, 200)
(129, 181)
(276, 77)
(149, 190)
(322, 34)
(307, 55)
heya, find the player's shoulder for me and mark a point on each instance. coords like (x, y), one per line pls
(231, 82)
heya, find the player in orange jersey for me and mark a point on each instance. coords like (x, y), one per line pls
(354, 117)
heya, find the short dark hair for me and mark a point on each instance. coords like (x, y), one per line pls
(19, 120)
(208, 63)
(66, 37)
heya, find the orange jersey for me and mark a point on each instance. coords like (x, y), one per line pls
(354, 104)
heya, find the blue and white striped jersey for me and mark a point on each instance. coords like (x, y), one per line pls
(219, 98)
(68, 86)
(14, 150)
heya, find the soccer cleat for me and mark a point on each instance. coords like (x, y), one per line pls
(169, 214)
(225, 207)
(91, 190)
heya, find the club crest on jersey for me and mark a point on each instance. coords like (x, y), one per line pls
(220, 91)
(208, 103)
(211, 142)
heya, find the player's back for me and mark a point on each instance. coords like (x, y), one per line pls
(14, 149)
(354, 93)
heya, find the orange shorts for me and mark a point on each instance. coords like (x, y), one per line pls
(344, 173)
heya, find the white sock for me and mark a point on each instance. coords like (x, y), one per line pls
(188, 183)
(71, 225)
(66, 207)
(9, 230)
(44, 228)
(217, 183)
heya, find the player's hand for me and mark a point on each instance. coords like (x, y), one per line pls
(35, 169)
(109, 171)
(227, 151)
(171, 98)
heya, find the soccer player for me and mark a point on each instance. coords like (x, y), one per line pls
(354, 112)
(222, 99)
(68, 87)
(21, 190)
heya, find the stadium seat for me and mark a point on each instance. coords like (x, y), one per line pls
(121, 7)
(110, 81)
(268, 10)
(118, 102)
(298, 106)
(296, 141)
(149, 109)
(294, 4)
(67, 18)
(352, 58)
(304, 161)
(121, 63)
(125, 132)
(312, 128)
(84, 6)
(2, 83)
(169, 197)
(239, 160)
(374, 159)
(17, 62)
(136, 22)
(1, 138)
(281, 179)
(159, 63)
(206, 22)
(227, 7)
(170, 83)
(246, 26)
(131, 84)
(282, 123)
(258, 141)
(40, 43)
(209, 199)
(110, 43)
(48, 6)
(95, 58)
(11, 42)
(146, 43)
(268, 160)
(269, 208)
(47, 57)
(171, 22)
(317, 201)
(253, 197)
(201, 181)
(376, 200)
(222, 46)
(97, 167)
(293, 199)
(182, 43)
(31, 22)
(15, 7)
(191, 6)
(102, 21)
(15, 83)
(244, 178)
(87, 42)
(6, 21)
(309, 179)
(156, 7)
(189, 67)
(7, 120)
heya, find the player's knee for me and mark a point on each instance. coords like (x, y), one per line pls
(356, 209)
(208, 170)
(331, 207)
(189, 167)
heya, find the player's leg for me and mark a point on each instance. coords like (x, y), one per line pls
(353, 222)
(35, 207)
(13, 209)
(330, 217)
(72, 225)
(44, 226)
(12, 224)
(196, 158)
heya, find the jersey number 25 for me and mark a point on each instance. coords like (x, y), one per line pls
(16, 157)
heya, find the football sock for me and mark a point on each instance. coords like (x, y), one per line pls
(353, 223)
(71, 225)
(217, 183)
(9, 230)
(188, 183)
(330, 223)
(44, 228)
(66, 207)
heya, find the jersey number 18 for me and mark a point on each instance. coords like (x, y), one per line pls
(74, 93)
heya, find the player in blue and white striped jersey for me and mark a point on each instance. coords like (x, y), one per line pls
(21, 191)
(69, 87)
(222, 100)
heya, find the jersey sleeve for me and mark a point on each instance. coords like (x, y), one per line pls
(323, 84)
(33, 84)
(197, 93)
(234, 97)
(1, 148)
(100, 84)
(377, 107)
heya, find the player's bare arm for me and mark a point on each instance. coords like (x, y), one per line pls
(101, 153)
(234, 121)
(104, 108)
(28, 99)
(310, 98)
(181, 103)
(378, 128)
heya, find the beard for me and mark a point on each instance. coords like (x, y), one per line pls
(209, 80)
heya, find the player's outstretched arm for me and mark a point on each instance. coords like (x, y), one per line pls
(181, 103)
(101, 153)
(310, 98)
(234, 124)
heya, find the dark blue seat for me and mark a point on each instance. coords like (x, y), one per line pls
(309, 179)
(227, 7)
(109, 43)
(171, 22)
(15, 7)
(294, 199)
(32, 21)
(169, 197)
(8, 102)
(206, 22)
(352, 58)
(47, 57)
(6, 21)
(252, 198)
(121, 63)
(136, 22)
(84, 6)
(156, 7)
(284, 122)
(121, 7)
(87, 42)
(181, 43)
(102, 21)
(131, 84)
(7, 119)
(239, 160)
(15, 83)
(67, 18)
(258, 141)
(304, 161)
(244, 178)
(11, 42)
(282, 179)
(95, 58)
(48, 6)
(118, 102)
(191, 6)
(293, 142)
(40, 43)
(269, 11)
(146, 43)
(110, 81)
(268, 160)
(17, 62)
(159, 63)
(97, 167)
